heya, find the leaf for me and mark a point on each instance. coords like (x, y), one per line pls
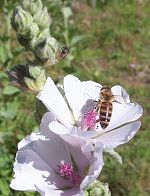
(10, 90)
(3, 54)
(10, 111)
(4, 187)
(77, 39)
(3, 75)
(114, 154)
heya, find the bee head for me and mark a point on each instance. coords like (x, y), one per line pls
(106, 92)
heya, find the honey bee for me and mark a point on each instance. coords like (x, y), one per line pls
(105, 106)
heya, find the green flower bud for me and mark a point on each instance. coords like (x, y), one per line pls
(40, 110)
(28, 77)
(46, 50)
(23, 41)
(37, 77)
(97, 188)
(32, 6)
(21, 21)
(42, 18)
(50, 51)
(41, 36)
(34, 31)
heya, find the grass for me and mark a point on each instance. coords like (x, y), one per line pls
(116, 34)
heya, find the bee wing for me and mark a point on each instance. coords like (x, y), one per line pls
(120, 91)
(118, 99)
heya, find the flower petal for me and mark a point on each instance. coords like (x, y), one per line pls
(80, 95)
(96, 164)
(120, 93)
(75, 94)
(75, 145)
(53, 100)
(123, 114)
(30, 170)
(50, 146)
(92, 89)
(47, 118)
(119, 136)
(68, 192)
(58, 128)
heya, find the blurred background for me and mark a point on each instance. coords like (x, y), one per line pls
(109, 43)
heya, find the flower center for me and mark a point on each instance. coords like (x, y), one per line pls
(89, 120)
(66, 170)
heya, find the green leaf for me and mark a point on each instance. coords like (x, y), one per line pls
(10, 90)
(10, 111)
(77, 39)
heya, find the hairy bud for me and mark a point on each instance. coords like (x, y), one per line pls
(27, 77)
(32, 6)
(21, 21)
(97, 188)
(43, 19)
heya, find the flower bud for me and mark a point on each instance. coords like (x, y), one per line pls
(34, 31)
(46, 49)
(21, 21)
(98, 188)
(49, 50)
(28, 77)
(32, 6)
(41, 36)
(42, 18)
(37, 78)
(23, 41)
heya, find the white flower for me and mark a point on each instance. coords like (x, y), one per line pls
(79, 99)
(48, 164)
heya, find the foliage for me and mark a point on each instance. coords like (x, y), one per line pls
(104, 38)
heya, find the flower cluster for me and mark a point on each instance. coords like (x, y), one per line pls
(65, 156)
(31, 22)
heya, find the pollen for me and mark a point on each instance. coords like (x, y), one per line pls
(89, 120)
(66, 170)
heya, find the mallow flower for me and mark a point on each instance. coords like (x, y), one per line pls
(74, 109)
(51, 165)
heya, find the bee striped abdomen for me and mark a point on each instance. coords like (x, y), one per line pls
(105, 114)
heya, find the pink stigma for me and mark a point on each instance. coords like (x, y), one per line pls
(89, 120)
(66, 171)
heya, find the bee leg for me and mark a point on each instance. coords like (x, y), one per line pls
(117, 101)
